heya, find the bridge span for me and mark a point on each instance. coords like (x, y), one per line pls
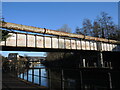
(91, 53)
(53, 40)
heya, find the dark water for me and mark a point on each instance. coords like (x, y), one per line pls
(37, 76)
(71, 79)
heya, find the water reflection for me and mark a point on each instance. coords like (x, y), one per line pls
(65, 79)
(37, 75)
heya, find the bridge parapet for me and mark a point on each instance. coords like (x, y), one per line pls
(55, 42)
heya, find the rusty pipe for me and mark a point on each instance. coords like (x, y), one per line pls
(26, 28)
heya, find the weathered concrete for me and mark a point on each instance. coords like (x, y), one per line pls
(50, 42)
(26, 28)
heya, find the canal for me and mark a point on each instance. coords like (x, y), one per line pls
(71, 79)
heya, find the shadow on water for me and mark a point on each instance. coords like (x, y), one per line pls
(71, 79)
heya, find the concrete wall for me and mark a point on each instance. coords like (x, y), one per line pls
(38, 41)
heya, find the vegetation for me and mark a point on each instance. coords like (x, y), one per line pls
(4, 35)
(52, 56)
(102, 26)
(66, 60)
(65, 28)
(13, 65)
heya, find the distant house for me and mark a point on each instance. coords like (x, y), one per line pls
(16, 57)
(35, 58)
(13, 56)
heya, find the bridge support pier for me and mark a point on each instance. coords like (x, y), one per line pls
(100, 59)
(84, 63)
(80, 61)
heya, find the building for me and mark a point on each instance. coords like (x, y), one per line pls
(35, 58)
(13, 56)
(16, 57)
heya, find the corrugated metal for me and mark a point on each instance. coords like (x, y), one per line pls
(14, 26)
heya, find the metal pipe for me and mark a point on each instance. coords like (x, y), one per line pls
(26, 28)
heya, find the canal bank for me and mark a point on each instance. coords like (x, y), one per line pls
(11, 82)
(38, 76)
(73, 79)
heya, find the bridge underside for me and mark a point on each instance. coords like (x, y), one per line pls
(31, 49)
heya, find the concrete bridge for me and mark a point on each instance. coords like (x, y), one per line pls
(45, 39)
(28, 38)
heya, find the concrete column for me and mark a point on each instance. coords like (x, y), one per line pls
(84, 63)
(81, 81)
(110, 80)
(62, 80)
(95, 64)
(110, 65)
(100, 59)
(87, 64)
(81, 61)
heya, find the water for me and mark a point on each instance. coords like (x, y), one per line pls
(69, 79)
(38, 76)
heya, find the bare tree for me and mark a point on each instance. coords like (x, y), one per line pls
(78, 30)
(103, 26)
(65, 28)
(106, 24)
(96, 29)
(51, 56)
(87, 27)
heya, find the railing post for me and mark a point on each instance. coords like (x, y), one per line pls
(62, 79)
(23, 76)
(76, 43)
(26, 40)
(64, 44)
(99, 46)
(58, 42)
(39, 76)
(84, 63)
(90, 45)
(32, 75)
(16, 39)
(81, 43)
(85, 44)
(27, 74)
(51, 42)
(110, 81)
(35, 41)
(81, 81)
(49, 79)
(43, 40)
(70, 44)
(81, 61)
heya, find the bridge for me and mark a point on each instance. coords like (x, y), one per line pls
(29, 38)
(45, 39)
